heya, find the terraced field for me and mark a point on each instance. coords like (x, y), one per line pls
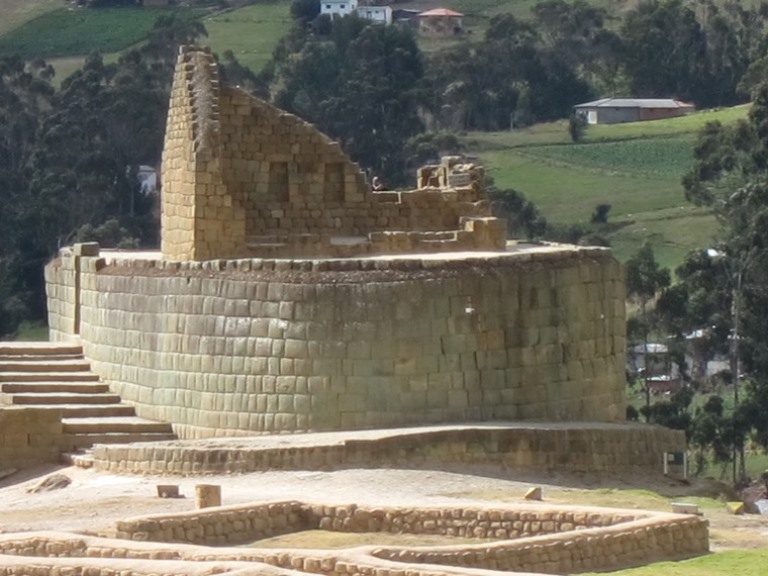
(636, 168)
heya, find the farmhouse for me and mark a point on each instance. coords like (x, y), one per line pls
(376, 14)
(338, 8)
(617, 110)
(441, 22)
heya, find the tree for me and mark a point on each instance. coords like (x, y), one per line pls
(665, 51)
(361, 85)
(729, 177)
(68, 159)
(645, 279)
(305, 10)
(524, 220)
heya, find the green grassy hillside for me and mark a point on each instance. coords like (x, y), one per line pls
(16, 12)
(251, 32)
(636, 168)
(78, 32)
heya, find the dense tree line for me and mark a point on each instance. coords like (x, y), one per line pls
(68, 158)
(720, 295)
(371, 87)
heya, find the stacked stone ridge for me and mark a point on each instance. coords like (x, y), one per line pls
(242, 178)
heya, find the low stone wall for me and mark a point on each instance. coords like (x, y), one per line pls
(633, 543)
(231, 525)
(32, 554)
(261, 346)
(566, 448)
(29, 436)
(535, 538)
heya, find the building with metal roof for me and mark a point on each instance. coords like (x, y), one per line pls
(616, 110)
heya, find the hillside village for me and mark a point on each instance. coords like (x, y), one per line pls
(571, 129)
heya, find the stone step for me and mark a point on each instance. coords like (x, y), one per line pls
(81, 441)
(50, 387)
(79, 376)
(55, 398)
(128, 424)
(81, 459)
(39, 348)
(92, 410)
(55, 376)
(65, 365)
(39, 357)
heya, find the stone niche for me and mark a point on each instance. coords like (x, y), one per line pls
(242, 178)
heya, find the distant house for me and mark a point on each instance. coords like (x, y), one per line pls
(338, 7)
(441, 22)
(377, 14)
(405, 15)
(616, 110)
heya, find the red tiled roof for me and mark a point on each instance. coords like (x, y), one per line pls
(441, 12)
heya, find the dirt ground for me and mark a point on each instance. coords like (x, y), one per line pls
(94, 501)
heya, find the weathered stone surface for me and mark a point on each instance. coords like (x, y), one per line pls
(510, 336)
(242, 178)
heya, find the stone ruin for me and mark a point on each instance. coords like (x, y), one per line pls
(242, 179)
(289, 297)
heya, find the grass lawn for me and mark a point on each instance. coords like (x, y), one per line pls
(80, 31)
(736, 562)
(250, 32)
(32, 332)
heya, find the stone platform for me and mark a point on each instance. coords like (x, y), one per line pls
(574, 447)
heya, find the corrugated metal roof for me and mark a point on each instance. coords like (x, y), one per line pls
(650, 348)
(441, 12)
(635, 103)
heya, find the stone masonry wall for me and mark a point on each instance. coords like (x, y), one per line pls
(284, 346)
(561, 540)
(243, 178)
(29, 436)
(594, 448)
(540, 538)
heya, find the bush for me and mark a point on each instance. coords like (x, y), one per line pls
(577, 126)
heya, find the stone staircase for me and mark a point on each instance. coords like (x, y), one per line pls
(56, 376)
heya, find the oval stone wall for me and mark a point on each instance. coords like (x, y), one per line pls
(265, 346)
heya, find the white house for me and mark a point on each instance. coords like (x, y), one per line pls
(338, 7)
(377, 14)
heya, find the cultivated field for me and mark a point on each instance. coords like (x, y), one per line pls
(251, 33)
(14, 13)
(636, 168)
(78, 32)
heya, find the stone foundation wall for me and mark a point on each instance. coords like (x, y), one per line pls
(579, 448)
(231, 525)
(264, 346)
(29, 436)
(537, 538)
